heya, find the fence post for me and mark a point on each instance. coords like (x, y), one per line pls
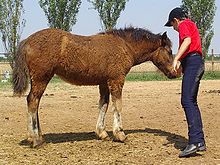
(212, 60)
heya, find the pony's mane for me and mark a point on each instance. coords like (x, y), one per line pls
(137, 34)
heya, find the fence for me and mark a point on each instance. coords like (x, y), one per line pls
(144, 67)
(3, 54)
(5, 71)
(150, 67)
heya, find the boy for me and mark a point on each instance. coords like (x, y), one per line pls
(190, 56)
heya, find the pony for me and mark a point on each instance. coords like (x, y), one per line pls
(102, 59)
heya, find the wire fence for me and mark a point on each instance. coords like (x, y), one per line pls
(6, 71)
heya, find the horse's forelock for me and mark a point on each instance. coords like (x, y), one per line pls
(168, 43)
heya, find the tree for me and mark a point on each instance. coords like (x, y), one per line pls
(11, 26)
(109, 11)
(202, 12)
(61, 14)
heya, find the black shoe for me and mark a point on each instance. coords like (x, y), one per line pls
(192, 148)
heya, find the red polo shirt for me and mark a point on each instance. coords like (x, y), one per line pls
(187, 28)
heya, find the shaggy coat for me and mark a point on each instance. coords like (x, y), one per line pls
(103, 59)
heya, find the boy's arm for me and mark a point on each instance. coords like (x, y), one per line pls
(183, 47)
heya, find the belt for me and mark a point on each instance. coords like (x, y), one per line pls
(194, 54)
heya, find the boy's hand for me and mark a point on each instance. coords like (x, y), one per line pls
(176, 65)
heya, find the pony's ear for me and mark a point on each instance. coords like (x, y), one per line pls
(164, 39)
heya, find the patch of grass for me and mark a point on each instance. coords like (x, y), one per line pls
(5, 85)
(209, 75)
(148, 76)
(56, 79)
(209, 58)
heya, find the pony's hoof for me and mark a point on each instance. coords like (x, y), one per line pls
(26, 142)
(38, 144)
(103, 136)
(120, 136)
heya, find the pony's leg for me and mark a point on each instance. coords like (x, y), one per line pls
(115, 87)
(103, 107)
(33, 100)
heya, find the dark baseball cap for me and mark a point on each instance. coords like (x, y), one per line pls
(178, 13)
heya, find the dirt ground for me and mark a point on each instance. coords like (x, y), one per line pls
(152, 118)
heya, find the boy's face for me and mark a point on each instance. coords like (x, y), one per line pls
(175, 24)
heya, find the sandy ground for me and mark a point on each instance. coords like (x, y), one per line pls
(152, 118)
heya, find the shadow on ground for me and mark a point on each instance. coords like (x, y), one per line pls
(172, 138)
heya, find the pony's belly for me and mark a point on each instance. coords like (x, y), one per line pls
(83, 80)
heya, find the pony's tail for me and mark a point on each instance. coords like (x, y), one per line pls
(20, 73)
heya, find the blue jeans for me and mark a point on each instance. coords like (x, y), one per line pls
(193, 70)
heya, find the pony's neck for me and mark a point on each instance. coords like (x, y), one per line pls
(142, 43)
(144, 51)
